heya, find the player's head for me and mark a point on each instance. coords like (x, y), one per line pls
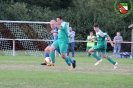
(52, 24)
(91, 33)
(70, 29)
(118, 33)
(96, 27)
(59, 20)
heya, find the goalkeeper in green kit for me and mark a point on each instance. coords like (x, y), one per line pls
(61, 43)
(101, 46)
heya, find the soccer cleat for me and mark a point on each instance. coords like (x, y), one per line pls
(70, 67)
(115, 65)
(98, 62)
(74, 64)
(51, 64)
(43, 63)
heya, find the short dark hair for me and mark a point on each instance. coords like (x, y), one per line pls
(60, 17)
(95, 25)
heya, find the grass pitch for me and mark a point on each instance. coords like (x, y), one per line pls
(26, 72)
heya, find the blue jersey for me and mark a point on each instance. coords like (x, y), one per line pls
(55, 36)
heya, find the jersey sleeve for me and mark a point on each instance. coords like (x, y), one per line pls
(102, 34)
(63, 25)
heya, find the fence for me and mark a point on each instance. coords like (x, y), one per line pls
(11, 50)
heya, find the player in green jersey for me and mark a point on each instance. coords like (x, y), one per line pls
(101, 46)
(61, 43)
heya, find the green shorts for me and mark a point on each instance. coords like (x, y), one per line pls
(99, 48)
(87, 48)
(63, 46)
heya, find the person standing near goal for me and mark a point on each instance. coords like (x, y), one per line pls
(54, 31)
(61, 43)
(101, 46)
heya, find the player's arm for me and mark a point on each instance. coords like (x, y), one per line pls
(110, 41)
(102, 34)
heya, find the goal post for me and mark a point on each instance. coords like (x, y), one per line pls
(19, 36)
(24, 37)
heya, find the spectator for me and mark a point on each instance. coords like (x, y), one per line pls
(90, 39)
(71, 35)
(117, 46)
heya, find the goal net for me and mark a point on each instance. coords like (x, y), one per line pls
(24, 37)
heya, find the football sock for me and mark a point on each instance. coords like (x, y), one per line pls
(52, 55)
(46, 54)
(89, 55)
(110, 60)
(100, 55)
(95, 55)
(68, 61)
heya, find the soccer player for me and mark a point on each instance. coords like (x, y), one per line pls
(101, 46)
(54, 30)
(61, 43)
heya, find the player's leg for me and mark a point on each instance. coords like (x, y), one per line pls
(99, 54)
(87, 49)
(93, 52)
(46, 53)
(72, 48)
(109, 59)
(52, 52)
(63, 49)
(58, 50)
(72, 61)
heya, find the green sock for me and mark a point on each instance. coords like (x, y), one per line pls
(110, 60)
(68, 61)
(89, 55)
(95, 55)
(52, 55)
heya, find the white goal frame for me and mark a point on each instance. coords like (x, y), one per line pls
(28, 22)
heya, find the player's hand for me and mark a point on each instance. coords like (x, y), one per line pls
(51, 31)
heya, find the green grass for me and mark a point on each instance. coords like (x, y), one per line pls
(26, 72)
